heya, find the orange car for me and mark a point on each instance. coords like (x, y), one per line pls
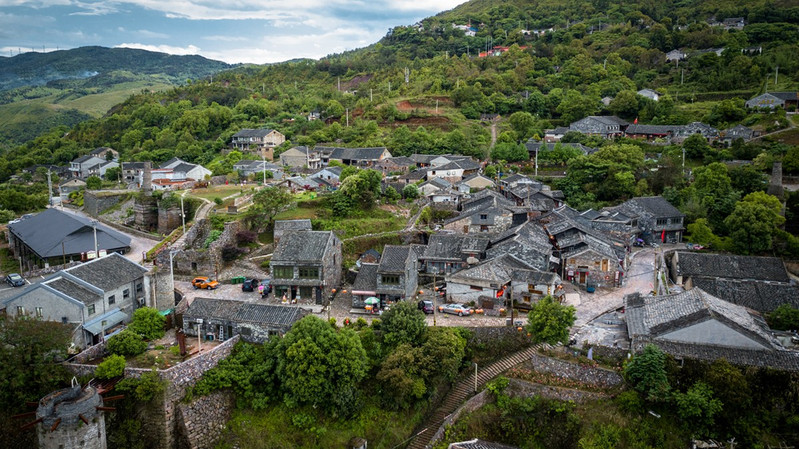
(204, 282)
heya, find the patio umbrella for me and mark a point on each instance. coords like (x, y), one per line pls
(372, 300)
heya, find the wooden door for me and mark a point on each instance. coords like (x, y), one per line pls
(582, 277)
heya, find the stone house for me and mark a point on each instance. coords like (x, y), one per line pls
(758, 283)
(260, 140)
(106, 153)
(397, 274)
(306, 265)
(529, 243)
(649, 93)
(490, 278)
(330, 174)
(433, 185)
(477, 182)
(181, 171)
(69, 186)
(81, 167)
(683, 132)
(771, 100)
(362, 157)
(283, 226)
(675, 55)
(607, 126)
(592, 262)
(222, 319)
(650, 132)
(697, 325)
(365, 285)
(96, 296)
(657, 219)
(448, 253)
(529, 286)
(399, 164)
(133, 172)
(534, 146)
(728, 136)
(483, 220)
(248, 167)
(554, 135)
(300, 157)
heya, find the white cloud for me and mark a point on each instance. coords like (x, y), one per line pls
(189, 50)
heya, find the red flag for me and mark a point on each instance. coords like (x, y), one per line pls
(635, 122)
(663, 236)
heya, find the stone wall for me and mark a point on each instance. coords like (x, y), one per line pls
(588, 375)
(163, 422)
(202, 421)
(96, 202)
(169, 219)
(476, 402)
(523, 389)
(193, 259)
(145, 210)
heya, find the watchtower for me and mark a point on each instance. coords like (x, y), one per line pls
(71, 418)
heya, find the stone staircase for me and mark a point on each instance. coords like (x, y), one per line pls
(462, 390)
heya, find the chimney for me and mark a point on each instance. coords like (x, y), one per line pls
(147, 179)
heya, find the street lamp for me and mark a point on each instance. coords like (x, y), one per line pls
(172, 270)
(434, 270)
(475, 377)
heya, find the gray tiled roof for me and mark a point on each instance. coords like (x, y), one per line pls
(253, 133)
(535, 277)
(373, 153)
(109, 272)
(651, 317)
(244, 311)
(367, 278)
(46, 231)
(74, 290)
(761, 296)
(301, 224)
(650, 129)
(732, 267)
(497, 270)
(657, 206)
(302, 246)
(453, 247)
(393, 259)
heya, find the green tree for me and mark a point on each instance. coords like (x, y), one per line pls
(509, 152)
(696, 147)
(148, 322)
(647, 373)
(400, 377)
(319, 365)
(113, 173)
(391, 194)
(410, 192)
(334, 109)
(266, 203)
(697, 407)
(126, 343)
(403, 323)
(575, 106)
(754, 222)
(112, 366)
(700, 233)
(94, 183)
(625, 104)
(522, 123)
(784, 317)
(549, 321)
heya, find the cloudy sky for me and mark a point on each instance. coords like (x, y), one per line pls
(255, 31)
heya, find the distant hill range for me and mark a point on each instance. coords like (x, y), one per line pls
(39, 91)
(36, 69)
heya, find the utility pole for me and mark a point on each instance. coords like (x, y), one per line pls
(389, 87)
(682, 77)
(94, 225)
(776, 75)
(263, 160)
(436, 110)
(49, 189)
(339, 84)
(348, 117)
(370, 95)
(536, 163)
(182, 214)
(172, 270)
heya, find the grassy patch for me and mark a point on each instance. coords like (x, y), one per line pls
(371, 222)
(221, 192)
(280, 426)
(7, 262)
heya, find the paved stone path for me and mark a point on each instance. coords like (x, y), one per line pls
(462, 390)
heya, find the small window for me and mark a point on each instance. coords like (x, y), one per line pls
(39, 312)
(91, 309)
(484, 216)
(126, 293)
(112, 299)
(20, 310)
(309, 273)
(475, 288)
(139, 288)
(283, 272)
(572, 261)
(390, 279)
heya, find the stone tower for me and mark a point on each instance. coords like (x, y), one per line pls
(71, 418)
(147, 179)
(775, 185)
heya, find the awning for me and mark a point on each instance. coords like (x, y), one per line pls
(112, 318)
(363, 292)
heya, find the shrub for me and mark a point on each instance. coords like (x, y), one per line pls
(126, 343)
(148, 322)
(231, 253)
(212, 237)
(113, 366)
(245, 237)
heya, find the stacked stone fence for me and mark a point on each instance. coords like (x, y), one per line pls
(129, 230)
(476, 402)
(584, 374)
(524, 389)
(202, 422)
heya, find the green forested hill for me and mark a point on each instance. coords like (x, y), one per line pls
(39, 91)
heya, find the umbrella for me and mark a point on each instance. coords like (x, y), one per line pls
(372, 300)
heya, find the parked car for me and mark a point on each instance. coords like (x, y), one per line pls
(15, 280)
(455, 309)
(204, 282)
(426, 306)
(249, 285)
